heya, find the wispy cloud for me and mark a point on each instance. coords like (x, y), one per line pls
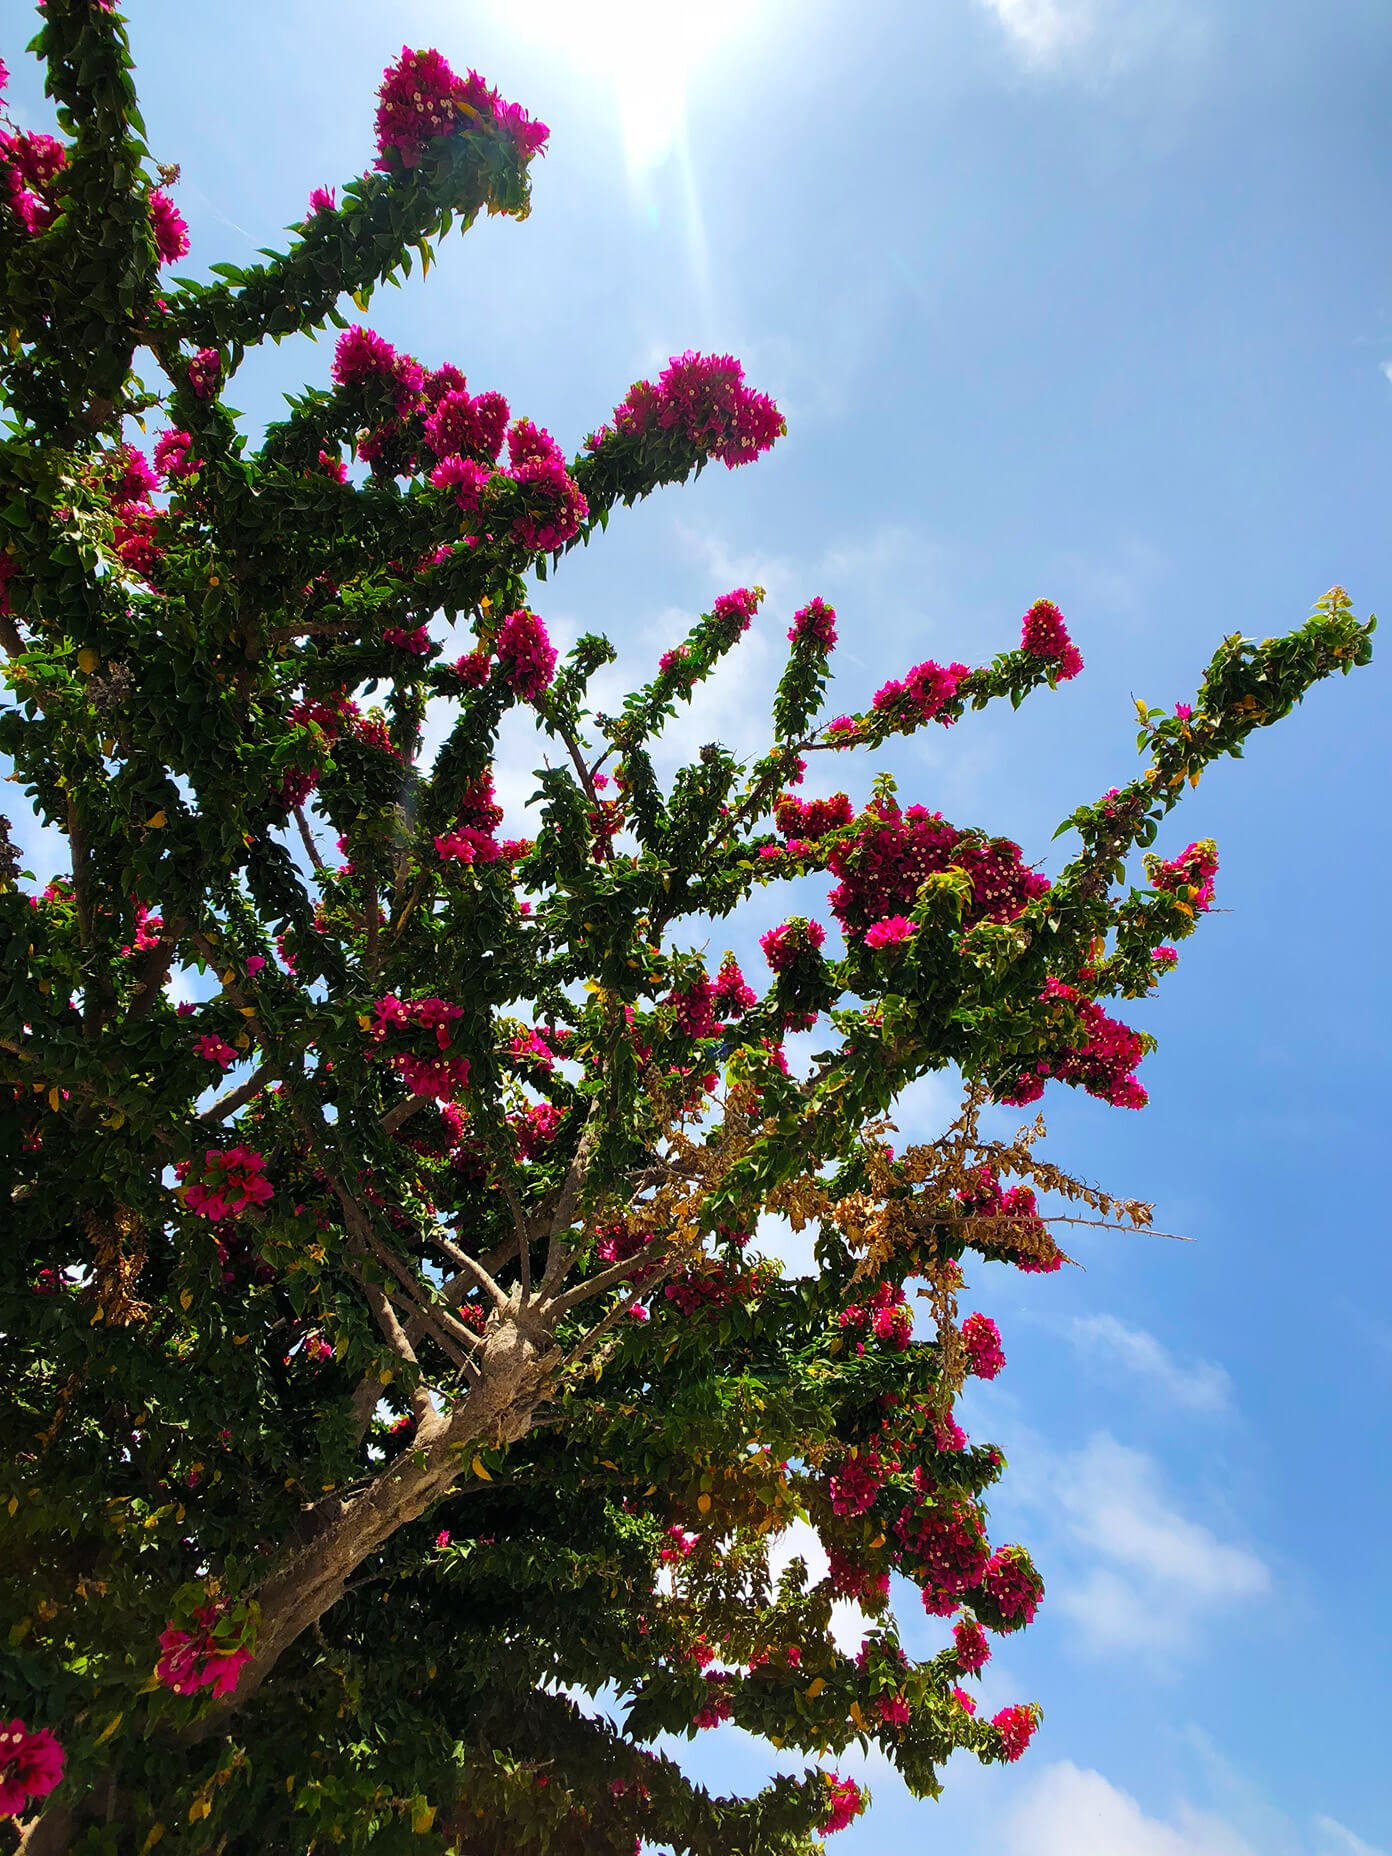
(1099, 39)
(1192, 1386)
(1387, 369)
(1069, 1809)
(1155, 1573)
(1340, 1841)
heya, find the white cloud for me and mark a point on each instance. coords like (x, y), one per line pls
(1073, 1812)
(1100, 39)
(1340, 1841)
(1387, 369)
(1156, 1572)
(1197, 1387)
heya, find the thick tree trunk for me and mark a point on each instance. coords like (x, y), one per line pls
(515, 1368)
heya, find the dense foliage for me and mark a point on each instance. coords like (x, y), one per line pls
(386, 1364)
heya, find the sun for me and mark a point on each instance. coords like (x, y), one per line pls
(644, 50)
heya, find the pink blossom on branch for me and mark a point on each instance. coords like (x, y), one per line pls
(170, 228)
(31, 1764)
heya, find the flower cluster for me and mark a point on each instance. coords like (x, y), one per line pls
(1188, 877)
(441, 1077)
(921, 695)
(1044, 634)
(890, 932)
(1016, 1728)
(814, 624)
(29, 169)
(855, 1483)
(174, 456)
(892, 853)
(31, 1765)
(170, 228)
(204, 372)
(969, 1646)
(421, 100)
(983, 1343)
(785, 945)
(886, 1315)
(942, 1545)
(1011, 1581)
(702, 403)
(1103, 1061)
(215, 1050)
(845, 1802)
(233, 1178)
(526, 655)
(201, 1658)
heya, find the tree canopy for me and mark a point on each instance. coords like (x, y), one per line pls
(387, 1370)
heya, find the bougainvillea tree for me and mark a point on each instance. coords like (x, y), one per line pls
(388, 1371)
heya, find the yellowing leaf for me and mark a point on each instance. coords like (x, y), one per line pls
(703, 1504)
(479, 1470)
(422, 1816)
(14, 1504)
(87, 661)
(152, 1837)
(186, 1298)
(110, 1728)
(857, 1716)
(156, 820)
(199, 1809)
(54, 1099)
(815, 1688)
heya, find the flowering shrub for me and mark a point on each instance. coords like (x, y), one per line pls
(391, 1351)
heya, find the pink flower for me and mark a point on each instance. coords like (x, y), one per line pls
(964, 1701)
(254, 964)
(231, 1181)
(969, 1646)
(467, 427)
(1183, 711)
(525, 654)
(215, 1050)
(466, 477)
(738, 608)
(203, 372)
(417, 641)
(1011, 1580)
(191, 1660)
(783, 945)
(893, 929)
(364, 359)
(442, 1539)
(701, 401)
(815, 624)
(846, 1802)
(982, 1337)
(323, 200)
(421, 100)
(174, 459)
(1016, 1728)
(31, 1764)
(1044, 634)
(170, 228)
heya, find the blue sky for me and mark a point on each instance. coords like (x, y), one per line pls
(1079, 298)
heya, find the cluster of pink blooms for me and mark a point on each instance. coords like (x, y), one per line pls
(785, 945)
(701, 401)
(680, 1546)
(170, 228)
(716, 1707)
(525, 653)
(943, 1547)
(696, 1014)
(1013, 1583)
(216, 1050)
(1188, 876)
(174, 456)
(921, 695)
(856, 1482)
(881, 867)
(31, 1765)
(735, 610)
(555, 506)
(1044, 634)
(364, 359)
(417, 641)
(536, 1129)
(1016, 1728)
(985, 1199)
(466, 844)
(811, 818)
(190, 1660)
(29, 167)
(467, 425)
(441, 1077)
(731, 991)
(890, 932)
(421, 99)
(204, 371)
(886, 1315)
(969, 1646)
(814, 623)
(711, 1286)
(983, 1343)
(1104, 1063)
(845, 1802)
(232, 1179)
